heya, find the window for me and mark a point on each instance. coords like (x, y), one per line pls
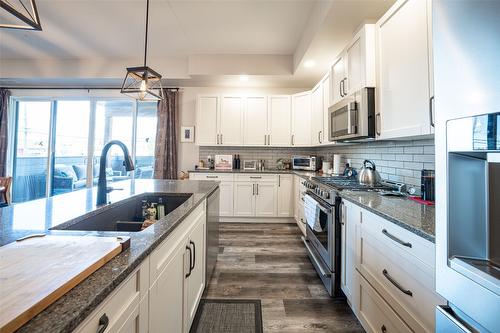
(61, 140)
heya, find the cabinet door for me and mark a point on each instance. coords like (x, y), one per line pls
(207, 110)
(196, 279)
(337, 73)
(231, 121)
(166, 295)
(301, 119)
(317, 114)
(285, 195)
(244, 199)
(255, 121)
(266, 199)
(280, 120)
(355, 80)
(296, 197)
(350, 218)
(226, 198)
(403, 80)
(325, 85)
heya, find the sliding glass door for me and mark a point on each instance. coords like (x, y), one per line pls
(31, 150)
(114, 121)
(58, 143)
(71, 143)
(145, 139)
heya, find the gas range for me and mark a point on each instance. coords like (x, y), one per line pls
(326, 187)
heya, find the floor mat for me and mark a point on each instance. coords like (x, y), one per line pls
(228, 316)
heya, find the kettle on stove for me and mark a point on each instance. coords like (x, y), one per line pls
(368, 175)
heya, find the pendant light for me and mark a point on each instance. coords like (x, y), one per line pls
(21, 16)
(143, 83)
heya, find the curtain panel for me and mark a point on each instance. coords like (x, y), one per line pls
(166, 136)
(4, 136)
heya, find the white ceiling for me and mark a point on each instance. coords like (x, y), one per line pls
(96, 39)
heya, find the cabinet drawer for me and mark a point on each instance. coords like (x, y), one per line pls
(374, 313)
(256, 177)
(404, 281)
(402, 239)
(117, 307)
(211, 176)
(160, 257)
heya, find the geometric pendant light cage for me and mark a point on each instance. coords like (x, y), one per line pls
(143, 83)
(19, 14)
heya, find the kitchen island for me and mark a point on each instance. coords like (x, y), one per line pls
(40, 216)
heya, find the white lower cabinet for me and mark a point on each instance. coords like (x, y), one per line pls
(225, 187)
(394, 284)
(166, 295)
(285, 195)
(255, 198)
(298, 195)
(349, 222)
(244, 199)
(195, 276)
(163, 294)
(374, 313)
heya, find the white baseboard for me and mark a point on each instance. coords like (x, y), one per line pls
(254, 219)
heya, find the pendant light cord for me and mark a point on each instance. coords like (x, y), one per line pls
(146, 37)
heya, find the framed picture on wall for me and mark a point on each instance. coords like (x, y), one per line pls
(187, 134)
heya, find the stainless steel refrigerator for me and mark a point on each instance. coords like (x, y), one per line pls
(466, 60)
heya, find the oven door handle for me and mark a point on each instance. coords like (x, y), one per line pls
(321, 206)
(313, 256)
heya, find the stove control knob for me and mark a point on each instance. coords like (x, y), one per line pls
(326, 195)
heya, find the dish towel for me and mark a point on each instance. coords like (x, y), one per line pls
(311, 213)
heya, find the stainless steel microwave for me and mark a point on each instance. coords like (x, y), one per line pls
(353, 118)
(309, 163)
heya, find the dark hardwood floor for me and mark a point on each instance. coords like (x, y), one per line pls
(269, 262)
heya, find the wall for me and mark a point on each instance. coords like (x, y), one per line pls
(188, 153)
(399, 161)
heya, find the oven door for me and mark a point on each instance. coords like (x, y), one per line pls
(322, 239)
(343, 119)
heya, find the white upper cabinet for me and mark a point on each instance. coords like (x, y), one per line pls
(280, 120)
(355, 67)
(403, 71)
(255, 131)
(317, 114)
(301, 119)
(325, 86)
(338, 77)
(231, 120)
(207, 115)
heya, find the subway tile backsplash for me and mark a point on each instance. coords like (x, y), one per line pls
(399, 161)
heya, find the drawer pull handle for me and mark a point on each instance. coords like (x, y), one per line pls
(383, 329)
(255, 177)
(190, 257)
(103, 323)
(212, 176)
(396, 284)
(194, 255)
(394, 238)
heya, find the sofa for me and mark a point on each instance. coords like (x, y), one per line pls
(67, 178)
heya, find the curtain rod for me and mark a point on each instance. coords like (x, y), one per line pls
(75, 88)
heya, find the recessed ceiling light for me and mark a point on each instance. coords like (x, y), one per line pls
(243, 77)
(309, 63)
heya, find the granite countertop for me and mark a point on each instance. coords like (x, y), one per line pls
(243, 171)
(408, 214)
(39, 216)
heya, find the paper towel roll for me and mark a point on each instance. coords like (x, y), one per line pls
(336, 163)
(326, 166)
